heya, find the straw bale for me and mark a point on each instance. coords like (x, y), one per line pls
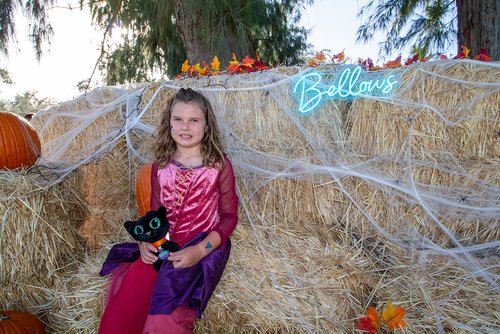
(105, 182)
(261, 121)
(305, 256)
(437, 115)
(437, 293)
(32, 294)
(317, 204)
(101, 225)
(69, 301)
(281, 281)
(75, 130)
(39, 223)
(106, 185)
(469, 185)
(79, 297)
(152, 115)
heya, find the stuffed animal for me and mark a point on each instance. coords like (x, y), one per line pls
(153, 228)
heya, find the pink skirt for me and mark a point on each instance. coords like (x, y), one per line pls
(129, 301)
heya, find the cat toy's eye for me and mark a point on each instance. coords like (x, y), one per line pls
(138, 230)
(154, 223)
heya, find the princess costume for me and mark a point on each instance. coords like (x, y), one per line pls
(140, 300)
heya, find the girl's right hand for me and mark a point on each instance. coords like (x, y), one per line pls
(147, 252)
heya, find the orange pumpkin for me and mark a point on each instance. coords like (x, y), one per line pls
(143, 189)
(19, 142)
(16, 322)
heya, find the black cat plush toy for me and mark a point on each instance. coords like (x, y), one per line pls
(153, 228)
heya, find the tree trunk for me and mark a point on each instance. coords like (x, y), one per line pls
(199, 49)
(478, 26)
(185, 23)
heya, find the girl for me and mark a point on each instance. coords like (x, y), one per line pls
(194, 180)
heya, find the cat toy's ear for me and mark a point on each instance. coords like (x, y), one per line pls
(162, 212)
(127, 224)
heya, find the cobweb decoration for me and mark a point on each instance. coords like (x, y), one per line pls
(360, 202)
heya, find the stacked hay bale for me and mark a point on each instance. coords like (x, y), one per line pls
(331, 220)
(39, 237)
(86, 135)
(439, 137)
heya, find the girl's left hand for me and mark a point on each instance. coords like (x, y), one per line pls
(186, 257)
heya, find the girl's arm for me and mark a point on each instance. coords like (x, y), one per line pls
(191, 255)
(228, 204)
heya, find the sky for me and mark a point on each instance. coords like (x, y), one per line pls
(74, 49)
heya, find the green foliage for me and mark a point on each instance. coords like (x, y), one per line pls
(280, 41)
(26, 103)
(428, 26)
(160, 35)
(5, 77)
(36, 12)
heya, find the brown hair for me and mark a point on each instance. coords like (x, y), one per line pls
(211, 148)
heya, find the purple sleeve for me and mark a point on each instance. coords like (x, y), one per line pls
(155, 188)
(228, 204)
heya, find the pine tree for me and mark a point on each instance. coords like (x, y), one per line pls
(158, 35)
(36, 11)
(162, 34)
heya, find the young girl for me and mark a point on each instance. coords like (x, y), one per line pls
(194, 180)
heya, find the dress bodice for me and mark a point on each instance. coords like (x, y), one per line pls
(191, 197)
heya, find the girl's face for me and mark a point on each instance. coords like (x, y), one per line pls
(187, 125)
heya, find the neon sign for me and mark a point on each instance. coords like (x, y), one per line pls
(350, 83)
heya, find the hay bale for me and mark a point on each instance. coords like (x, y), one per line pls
(339, 210)
(79, 296)
(84, 135)
(108, 189)
(281, 281)
(437, 293)
(440, 110)
(79, 130)
(39, 224)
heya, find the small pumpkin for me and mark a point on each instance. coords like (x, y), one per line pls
(17, 322)
(143, 189)
(19, 142)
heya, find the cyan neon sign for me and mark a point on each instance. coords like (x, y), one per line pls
(350, 83)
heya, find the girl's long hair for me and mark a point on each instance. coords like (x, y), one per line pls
(211, 147)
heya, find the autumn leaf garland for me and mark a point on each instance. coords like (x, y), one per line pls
(367, 64)
(246, 65)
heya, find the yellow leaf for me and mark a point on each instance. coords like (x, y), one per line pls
(234, 61)
(215, 64)
(466, 51)
(393, 316)
(195, 67)
(185, 66)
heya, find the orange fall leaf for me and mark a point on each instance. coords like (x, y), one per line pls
(215, 64)
(393, 316)
(185, 66)
(247, 61)
(320, 56)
